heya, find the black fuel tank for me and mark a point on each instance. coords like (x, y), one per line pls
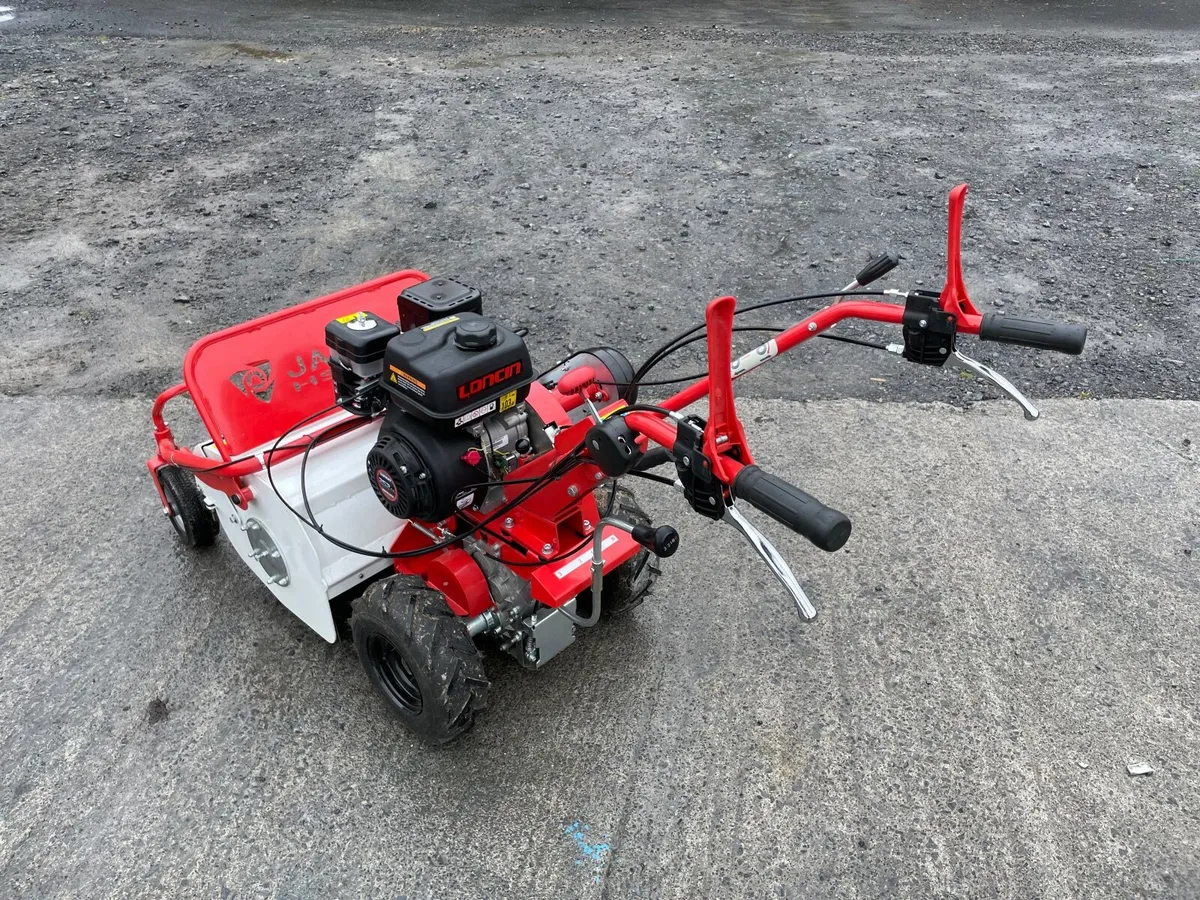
(457, 369)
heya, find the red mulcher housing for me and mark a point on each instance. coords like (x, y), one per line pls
(489, 502)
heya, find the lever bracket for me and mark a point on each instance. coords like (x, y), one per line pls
(701, 487)
(928, 330)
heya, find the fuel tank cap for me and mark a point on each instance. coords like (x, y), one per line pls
(475, 334)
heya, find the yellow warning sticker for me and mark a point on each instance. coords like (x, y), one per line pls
(508, 401)
(402, 378)
(349, 318)
(439, 323)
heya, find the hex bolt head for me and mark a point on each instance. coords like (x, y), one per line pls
(924, 323)
(573, 491)
(547, 549)
(508, 522)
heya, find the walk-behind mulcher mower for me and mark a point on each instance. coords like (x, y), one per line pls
(392, 444)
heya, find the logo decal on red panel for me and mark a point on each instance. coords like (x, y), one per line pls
(255, 381)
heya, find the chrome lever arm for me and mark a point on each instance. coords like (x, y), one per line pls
(990, 374)
(775, 562)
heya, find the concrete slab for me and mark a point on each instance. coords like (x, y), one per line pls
(1012, 624)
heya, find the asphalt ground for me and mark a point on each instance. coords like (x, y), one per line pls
(1011, 625)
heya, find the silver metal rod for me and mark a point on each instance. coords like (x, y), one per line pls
(597, 571)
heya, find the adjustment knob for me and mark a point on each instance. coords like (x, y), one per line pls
(662, 541)
(475, 334)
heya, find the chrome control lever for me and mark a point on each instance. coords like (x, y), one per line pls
(775, 562)
(987, 373)
(772, 557)
(990, 374)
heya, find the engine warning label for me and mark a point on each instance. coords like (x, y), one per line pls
(439, 323)
(404, 380)
(508, 401)
(475, 414)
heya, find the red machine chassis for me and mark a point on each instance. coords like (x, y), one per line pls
(254, 383)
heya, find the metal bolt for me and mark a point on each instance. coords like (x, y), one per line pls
(812, 326)
(404, 470)
(924, 323)
(712, 501)
(508, 523)
(587, 525)
(547, 549)
(943, 351)
(722, 438)
(599, 476)
(686, 461)
(496, 548)
(421, 477)
(572, 491)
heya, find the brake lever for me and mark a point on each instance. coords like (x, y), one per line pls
(772, 557)
(987, 373)
(774, 560)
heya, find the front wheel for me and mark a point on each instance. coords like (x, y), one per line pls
(419, 657)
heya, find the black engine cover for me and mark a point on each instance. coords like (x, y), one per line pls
(416, 468)
(457, 369)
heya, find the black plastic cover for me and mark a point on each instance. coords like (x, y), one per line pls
(435, 299)
(1033, 333)
(359, 338)
(430, 376)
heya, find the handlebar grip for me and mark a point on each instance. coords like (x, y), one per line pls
(1033, 333)
(787, 504)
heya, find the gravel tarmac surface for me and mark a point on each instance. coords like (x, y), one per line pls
(599, 184)
(1012, 624)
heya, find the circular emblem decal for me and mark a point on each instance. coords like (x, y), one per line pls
(386, 485)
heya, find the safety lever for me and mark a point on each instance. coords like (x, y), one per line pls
(989, 374)
(774, 560)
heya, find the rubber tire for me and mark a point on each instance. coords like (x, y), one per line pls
(193, 521)
(435, 648)
(627, 586)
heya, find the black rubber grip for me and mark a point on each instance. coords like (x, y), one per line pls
(878, 267)
(1033, 333)
(786, 503)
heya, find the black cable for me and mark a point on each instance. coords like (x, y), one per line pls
(650, 476)
(874, 345)
(666, 349)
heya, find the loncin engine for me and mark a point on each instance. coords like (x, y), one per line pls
(452, 387)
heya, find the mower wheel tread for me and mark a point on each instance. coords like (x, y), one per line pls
(193, 521)
(437, 652)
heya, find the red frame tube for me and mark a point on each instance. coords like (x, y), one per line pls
(812, 326)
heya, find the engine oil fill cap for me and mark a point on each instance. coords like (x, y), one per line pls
(475, 334)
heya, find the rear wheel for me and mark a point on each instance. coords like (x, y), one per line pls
(627, 585)
(194, 522)
(419, 657)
